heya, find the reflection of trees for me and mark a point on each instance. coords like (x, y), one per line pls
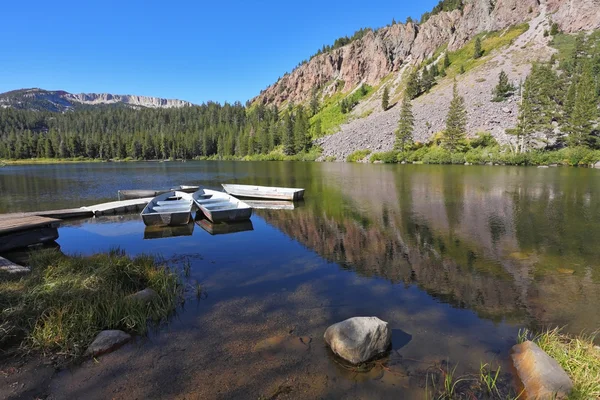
(375, 252)
(490, 240)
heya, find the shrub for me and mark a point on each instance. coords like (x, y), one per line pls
(388, 157)
(483, 139)
(358, 155)
(437, 155)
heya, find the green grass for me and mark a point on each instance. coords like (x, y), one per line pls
(564, 44)
(358, 155)
(66, 301)
(490, 41)
(330, 113)
(577, 356)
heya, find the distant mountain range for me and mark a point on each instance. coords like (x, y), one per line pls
(61, 101)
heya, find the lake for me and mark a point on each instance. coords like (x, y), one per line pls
(457, 259)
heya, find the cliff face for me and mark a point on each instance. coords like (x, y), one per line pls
(379, 53)
(61, 101)
(140, 101)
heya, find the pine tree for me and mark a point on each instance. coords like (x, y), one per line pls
(413, 85)
(406, 124)
(301, 134)
(538, 108)
(427, 80)
(478, 51)
(314, 104)
(385, 98)
(288, 132)
(456, 123)
(504, 89)
(446, 60)
(585, 111)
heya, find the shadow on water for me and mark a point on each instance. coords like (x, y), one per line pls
(456, 259)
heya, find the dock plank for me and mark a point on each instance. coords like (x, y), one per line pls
(11, 267)
(10, 225)
(116, 207)
(58, 214)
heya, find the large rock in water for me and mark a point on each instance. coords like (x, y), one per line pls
(107, 341)
(359, 339)
(542, 377)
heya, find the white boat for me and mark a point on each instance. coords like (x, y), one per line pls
(141, 193)
(221, 207)
(168, 209)
(264, 192)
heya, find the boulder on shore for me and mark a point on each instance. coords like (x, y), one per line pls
(359, 339)
(144, 296)
(107, 341)
(541, 375)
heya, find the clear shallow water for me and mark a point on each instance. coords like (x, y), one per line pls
(457, 259)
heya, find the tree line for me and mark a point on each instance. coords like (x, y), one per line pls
(559, 104)
(111, 132)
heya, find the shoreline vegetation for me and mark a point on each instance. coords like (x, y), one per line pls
(65, 301)
(577, 355)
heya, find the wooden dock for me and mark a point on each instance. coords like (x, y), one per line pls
(12, 268)
(25, 231)
(118, 207)
(58, 214)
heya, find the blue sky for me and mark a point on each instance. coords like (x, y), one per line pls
(190, 50)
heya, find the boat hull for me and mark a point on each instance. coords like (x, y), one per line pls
(264, 192)
(143, 193)
(167, 219)
(169, 209)
(221, 207)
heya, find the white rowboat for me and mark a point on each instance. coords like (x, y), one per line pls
(264, 192)
(221, 207)
(168, 209)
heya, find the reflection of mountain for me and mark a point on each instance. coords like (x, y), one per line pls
(491, 240)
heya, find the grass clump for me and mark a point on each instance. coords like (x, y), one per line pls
(358, 155)
(332, 115)
(443, 383)
(462, 60)
(66, 301)
(578, 356)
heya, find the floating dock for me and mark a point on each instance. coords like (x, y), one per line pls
(118, 207)
(27, 230)
(58, 214)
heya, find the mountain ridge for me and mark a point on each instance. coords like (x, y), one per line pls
(60, 100)
(387, 50)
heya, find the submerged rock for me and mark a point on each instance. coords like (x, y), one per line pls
(359, 339)
(541, 375)
(107, 341)
(144, 296)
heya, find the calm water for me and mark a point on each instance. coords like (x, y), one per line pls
(457, 259)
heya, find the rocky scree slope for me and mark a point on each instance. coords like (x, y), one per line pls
(376, 132)
(61, 101)
(381, 52)
(382, 58)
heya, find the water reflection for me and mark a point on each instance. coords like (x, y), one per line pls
(455, 258)
(511, 244)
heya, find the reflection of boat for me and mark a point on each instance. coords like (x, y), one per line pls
(219, 206)
(264, 192)
(168, 209)
(141, 193)
(159, 232)
(271, 204)
(222, 228)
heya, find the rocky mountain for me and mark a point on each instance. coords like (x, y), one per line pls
(383, 58)
(389, 49)
(61, 101)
